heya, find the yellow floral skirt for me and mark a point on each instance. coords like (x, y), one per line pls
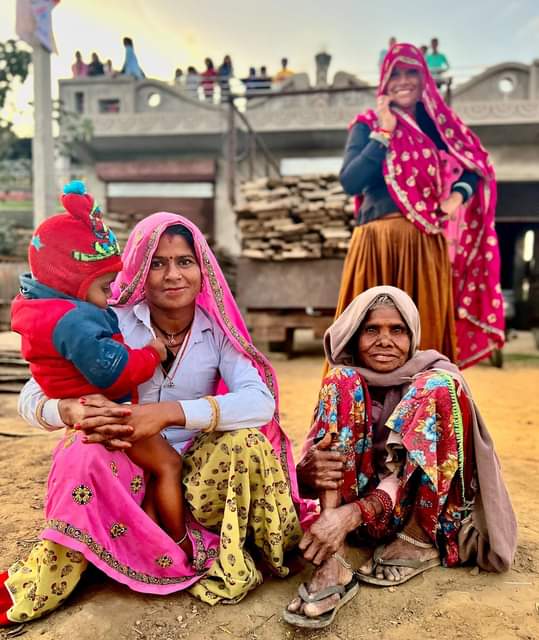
(234, 485)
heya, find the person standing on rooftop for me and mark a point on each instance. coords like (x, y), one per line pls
(131, 66)
(284, 73)
(79, 68)
(436, 61)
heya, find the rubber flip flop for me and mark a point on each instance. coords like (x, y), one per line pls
(419, 566)
(346, 593)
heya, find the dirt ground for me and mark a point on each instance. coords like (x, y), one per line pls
(443, 603)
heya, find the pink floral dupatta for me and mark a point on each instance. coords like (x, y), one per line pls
(217, 300)
(417, 176)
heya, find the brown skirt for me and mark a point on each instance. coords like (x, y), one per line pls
(392, 251)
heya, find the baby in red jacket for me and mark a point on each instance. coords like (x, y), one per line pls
(72, 340)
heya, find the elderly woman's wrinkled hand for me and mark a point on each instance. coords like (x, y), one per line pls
(102, 420)
(327, 535)
(321, 469)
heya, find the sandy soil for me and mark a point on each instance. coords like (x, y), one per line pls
(456, 603)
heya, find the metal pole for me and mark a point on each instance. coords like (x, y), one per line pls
(304, 92)
(252, 154)
(267, 153)
(44, 187)
(231, 153)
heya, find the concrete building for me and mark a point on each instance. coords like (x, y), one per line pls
(156, 147)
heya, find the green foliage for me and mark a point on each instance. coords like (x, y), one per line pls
(74, 130)
(14, 63)
(8, 238)
(7, 139)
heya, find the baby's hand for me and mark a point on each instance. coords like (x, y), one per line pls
(159, 346)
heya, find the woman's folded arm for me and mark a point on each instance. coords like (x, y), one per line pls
(248, 403)
(30, 397)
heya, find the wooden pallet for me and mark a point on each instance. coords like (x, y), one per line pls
(277, 327)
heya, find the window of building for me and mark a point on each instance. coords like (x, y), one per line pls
(79, 102)
(111, 105)
(300, 166)
(160, 190)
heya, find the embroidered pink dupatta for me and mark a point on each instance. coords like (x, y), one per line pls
(217, 300)
(418, 177)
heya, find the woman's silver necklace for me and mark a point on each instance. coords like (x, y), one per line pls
(171, 337)
(169, 375)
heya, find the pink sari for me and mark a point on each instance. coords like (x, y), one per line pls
(94, 495)
(419, 177)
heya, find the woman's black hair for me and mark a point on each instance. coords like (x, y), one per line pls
(180, 230)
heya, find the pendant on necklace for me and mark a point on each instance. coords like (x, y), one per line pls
(171, 342)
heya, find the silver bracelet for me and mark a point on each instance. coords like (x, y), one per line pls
(465, 186)
(383, 140)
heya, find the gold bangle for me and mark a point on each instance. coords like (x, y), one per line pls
(215, 414)
(39, 415)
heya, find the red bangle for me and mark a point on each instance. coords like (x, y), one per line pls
(367, 516)
(387, 503)
(387, 131)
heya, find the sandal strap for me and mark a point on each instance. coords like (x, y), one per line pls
(343, 561)
(320, 595)
(401, 562)
(417, 543)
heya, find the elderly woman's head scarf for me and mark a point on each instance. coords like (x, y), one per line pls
(337, 338)
(419, 177)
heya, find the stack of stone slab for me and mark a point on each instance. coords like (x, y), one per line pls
(294, 217)
(14, 371)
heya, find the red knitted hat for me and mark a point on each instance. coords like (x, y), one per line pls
(70, 250)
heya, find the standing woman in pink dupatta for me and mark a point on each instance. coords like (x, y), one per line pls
(426, 199)
(215, 400)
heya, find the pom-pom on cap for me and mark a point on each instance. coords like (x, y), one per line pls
(78, 202)
(75, 186)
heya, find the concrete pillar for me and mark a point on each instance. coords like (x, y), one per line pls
(225, 230)
(44, 186)
(322, 66)
(534, 80)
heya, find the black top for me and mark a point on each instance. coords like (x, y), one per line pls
(361, 172)
(96, 69)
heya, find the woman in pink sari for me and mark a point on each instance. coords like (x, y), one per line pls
(215, 400)
(426, 199)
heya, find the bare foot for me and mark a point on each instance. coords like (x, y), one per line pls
(330, 573)
(395, 550)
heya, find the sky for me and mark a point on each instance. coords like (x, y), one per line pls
(176, 33)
